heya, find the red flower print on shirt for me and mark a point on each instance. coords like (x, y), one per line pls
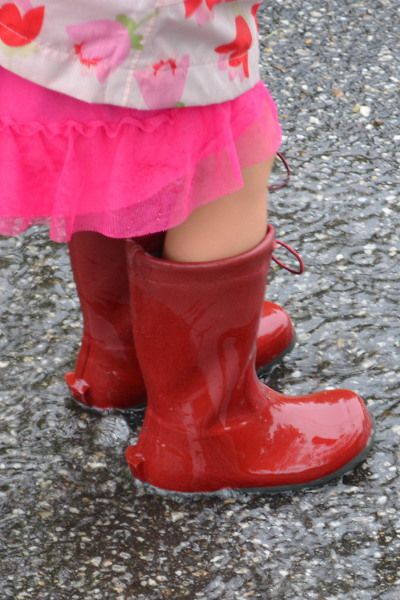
(254, 10)
(238, 49)
(20, 30)
(202, 8)
(191, 6)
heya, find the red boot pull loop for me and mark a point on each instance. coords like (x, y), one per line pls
(274, 187)
(295, 254)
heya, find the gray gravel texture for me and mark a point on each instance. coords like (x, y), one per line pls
(72, 524)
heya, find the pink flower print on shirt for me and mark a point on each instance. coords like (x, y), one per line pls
(202, 9)
(105, 44)
(238, 51)
(17, 30)
(163, 85)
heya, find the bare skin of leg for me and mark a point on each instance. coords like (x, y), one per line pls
(225, 227)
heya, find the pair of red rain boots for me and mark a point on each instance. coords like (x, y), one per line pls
(107, 375)
(210, 424)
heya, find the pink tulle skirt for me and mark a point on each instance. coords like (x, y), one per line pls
(119, 171)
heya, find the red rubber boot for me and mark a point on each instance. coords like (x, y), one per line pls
(210, 424)
(107, 375)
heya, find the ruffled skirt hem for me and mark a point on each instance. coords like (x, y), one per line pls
(121, 172)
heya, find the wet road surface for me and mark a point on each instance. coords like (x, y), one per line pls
(72, 524)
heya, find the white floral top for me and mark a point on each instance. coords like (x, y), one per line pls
(145, 54)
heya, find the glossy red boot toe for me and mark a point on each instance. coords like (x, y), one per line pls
(289, 443)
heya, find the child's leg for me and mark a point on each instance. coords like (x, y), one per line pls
(226, 227)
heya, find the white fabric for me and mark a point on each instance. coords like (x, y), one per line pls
(145, 54)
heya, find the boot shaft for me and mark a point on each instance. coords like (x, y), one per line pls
(195, 326)
(99, 268)
(100, 272)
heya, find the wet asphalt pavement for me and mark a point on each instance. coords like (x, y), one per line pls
(72, 524)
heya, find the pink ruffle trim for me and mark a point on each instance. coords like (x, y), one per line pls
(121, 172)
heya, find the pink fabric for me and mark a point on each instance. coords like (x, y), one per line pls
(120, 171)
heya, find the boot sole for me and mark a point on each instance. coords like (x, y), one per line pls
(282, 489)
(95, 409)
(267, 370)
(102, 412)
